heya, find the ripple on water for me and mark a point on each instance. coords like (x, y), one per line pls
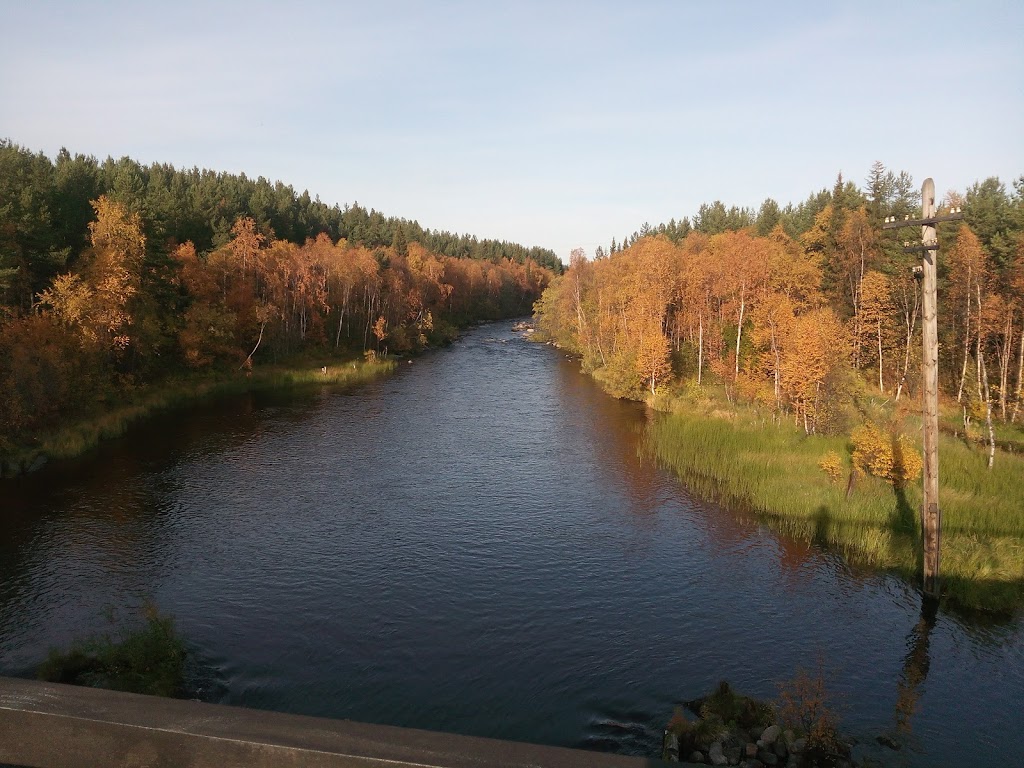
(473, 545)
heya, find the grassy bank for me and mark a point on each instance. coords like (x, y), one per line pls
(772, 471)
(113, 420)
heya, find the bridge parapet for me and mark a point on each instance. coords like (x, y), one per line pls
(48, 725)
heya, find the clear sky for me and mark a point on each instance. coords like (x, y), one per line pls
(551, 123)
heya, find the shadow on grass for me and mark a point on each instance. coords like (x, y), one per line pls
(822, 518)
(904, 517)
(903, 524)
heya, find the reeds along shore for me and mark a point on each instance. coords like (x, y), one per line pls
(77, 437)
(772, 471)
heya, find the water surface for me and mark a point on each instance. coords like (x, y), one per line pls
(475, 545)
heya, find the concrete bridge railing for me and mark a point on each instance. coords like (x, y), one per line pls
(47, 725)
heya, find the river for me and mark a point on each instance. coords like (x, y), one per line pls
(476, 544)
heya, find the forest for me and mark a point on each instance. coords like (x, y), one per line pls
(115, 277)
(798, 308)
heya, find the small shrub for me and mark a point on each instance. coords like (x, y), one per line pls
(894, 458)
(832, 465)
(723, 712)
(752, 390)
(722, 702)
(682, 729)
(399, 340)
(736, 709)
(709, 729)
(679, 725)
(618, 377)
(806, 707)
(150, 660)
(907, 462)
(872, 451)
(756, 714)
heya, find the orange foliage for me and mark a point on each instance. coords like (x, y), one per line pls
(748, 309)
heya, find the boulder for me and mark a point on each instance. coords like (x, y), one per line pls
(767, 757)
(696, 757)
(751, 750)
(716, 755)
(671, 747)
(799, 745)
(770, 735)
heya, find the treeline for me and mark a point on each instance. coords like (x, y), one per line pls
(45, 209)
(88, 318)
(786, 306)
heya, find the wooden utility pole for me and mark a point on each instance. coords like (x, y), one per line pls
(931, 517)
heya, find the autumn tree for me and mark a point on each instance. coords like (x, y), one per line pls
(97, 302)
(872, 328)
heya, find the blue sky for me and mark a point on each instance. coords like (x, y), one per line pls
(558, 124)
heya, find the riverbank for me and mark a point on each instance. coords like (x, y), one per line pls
(774, 472)
(109, 421)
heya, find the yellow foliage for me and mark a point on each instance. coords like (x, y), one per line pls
(894, 458)
(96, 302)
(832, 465)
(70, 300)
(872, 451)
(652, 351)
(907, 461)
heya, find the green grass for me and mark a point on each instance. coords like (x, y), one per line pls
(83, 434)
(1009, 436)
(770, 470)
(149, 659)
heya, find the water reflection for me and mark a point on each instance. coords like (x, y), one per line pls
(475, 544)
(915, 665)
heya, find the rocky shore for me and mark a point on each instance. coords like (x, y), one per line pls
(750, 748)
(736, 730)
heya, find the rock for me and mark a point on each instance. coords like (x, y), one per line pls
(671, 747)
(799, 745)
(767, 757)
(733, 755)
(716, 755)
(696, 757)
(770, 735)
(37, 463)
(754, 763)
(889, 741)
(779, 747)
(751, 750)
(789, 737)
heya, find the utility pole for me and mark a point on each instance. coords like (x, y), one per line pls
(931, 517)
